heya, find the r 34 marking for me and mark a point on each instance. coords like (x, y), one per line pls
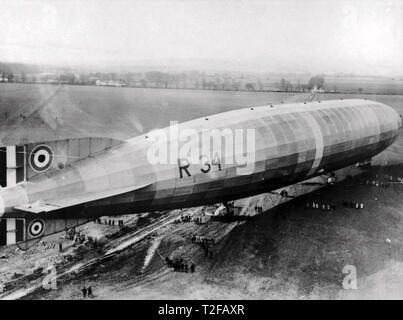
(205, 165)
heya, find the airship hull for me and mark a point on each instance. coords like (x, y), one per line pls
(288, 153)
(292, 142)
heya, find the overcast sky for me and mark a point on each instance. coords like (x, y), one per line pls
(363, 37)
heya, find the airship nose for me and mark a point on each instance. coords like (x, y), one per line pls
(398, 118)
(392, 116)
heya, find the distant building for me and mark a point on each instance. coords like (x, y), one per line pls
(110, 83)
(316, 90)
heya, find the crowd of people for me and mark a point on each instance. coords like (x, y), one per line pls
(258, 208)
(205, 243)
(76, 236)
(110, 222)
(180, 265)
(201, 239)
(87, 292)
(198, 220)
(322, 206)
(79, 238)
(355, 205)
(377, 183)
(184, 218)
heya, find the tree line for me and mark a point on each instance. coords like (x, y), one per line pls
(156, 79)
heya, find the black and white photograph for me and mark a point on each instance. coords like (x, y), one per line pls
(201, 150)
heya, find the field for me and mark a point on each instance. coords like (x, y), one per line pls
(41, 112)
(367, 85)
(286, 253)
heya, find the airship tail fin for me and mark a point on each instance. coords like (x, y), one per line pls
(42, 218)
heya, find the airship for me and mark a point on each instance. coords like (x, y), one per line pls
(56, 185)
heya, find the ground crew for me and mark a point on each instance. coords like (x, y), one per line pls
(89, 292)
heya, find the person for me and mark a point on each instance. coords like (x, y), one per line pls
(192, 268)
(60, 247)
(89, 292)
(84, 290)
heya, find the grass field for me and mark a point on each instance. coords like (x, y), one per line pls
(369, 85)
(44, 112)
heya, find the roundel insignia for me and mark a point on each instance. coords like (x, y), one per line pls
(35, 228)
(41, 158)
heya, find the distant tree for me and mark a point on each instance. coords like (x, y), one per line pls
(143, 83)
(160, 79)
(217, 82)
(71, 78)
(226, 84)
(317, 81)
(236, 85)
(298, 85)
(290, 86)
(128, 78)
(84, 78)
(204, 84)
(211, 85)
(260, 85)
(184, 78)
(176, 80)
(285, 85)
(249, 86)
